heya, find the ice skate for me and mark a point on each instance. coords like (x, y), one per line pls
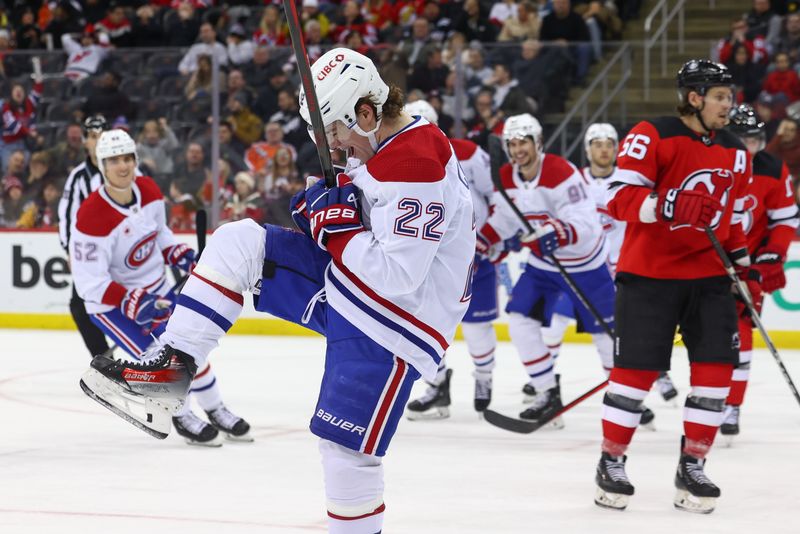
(234, 427)
(730, 424)
(483, 391)
(667, 389)
(613, 487)
(195, 431)
(434, 404)
(544, 405)
(528, 393)
(695, 492)
(147, 393)
(647, 418)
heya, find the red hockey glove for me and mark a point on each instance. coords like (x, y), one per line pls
(145, 308)
(752, 279)
(769, 265)
(333, 211)
(486, 239)
(549, 237)
(687, 207)
(180, 256)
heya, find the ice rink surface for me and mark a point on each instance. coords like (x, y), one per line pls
(68, 466)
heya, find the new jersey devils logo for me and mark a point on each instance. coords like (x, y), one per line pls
(715, 182)
(141, 251)
(750, 204)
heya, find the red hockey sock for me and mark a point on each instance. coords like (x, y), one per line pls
(702, 413)
(627, 389)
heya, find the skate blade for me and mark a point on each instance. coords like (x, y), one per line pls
(690, 503)
(216, 442)
(439, 412)
(611, 501)
(149, 415)
(244, 438)
(649, 426)
(726, 440)
(527, 399)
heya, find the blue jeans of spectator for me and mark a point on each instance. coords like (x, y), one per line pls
(582, 54)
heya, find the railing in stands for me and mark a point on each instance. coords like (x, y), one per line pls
(659, 36)
(622, 60)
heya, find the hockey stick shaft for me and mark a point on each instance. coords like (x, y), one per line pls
(748, 301)
(304, 68)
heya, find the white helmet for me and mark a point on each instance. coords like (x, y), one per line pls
(599, 130)
(341, 77)
(114, 143)
(520, 127)
(423, 109)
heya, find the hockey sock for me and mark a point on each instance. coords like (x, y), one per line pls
(553, 335)
(526, 335)
(622, 407)
(741, 373)
(441, 373)
(205, 389)
(354, 489)
(702, 412)
(481, 342)
(605, 349)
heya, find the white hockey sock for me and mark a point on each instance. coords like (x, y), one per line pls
(481, 342)
(441, 372)
(526, 335)
(553, 335)
(204, 388)
(605, 349)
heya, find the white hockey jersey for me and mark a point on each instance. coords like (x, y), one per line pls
(83, 61)
(477, 168)
(615, 230)
(406, 281)
(559, 191)
(114, 248)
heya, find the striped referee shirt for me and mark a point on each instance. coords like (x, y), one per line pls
(83, 180)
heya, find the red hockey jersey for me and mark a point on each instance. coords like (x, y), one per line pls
(666, 154)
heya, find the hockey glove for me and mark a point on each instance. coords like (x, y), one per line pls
(333, 211)
(180, 256)
(299, 212)
(686, 207)
(145, 308)
(769, 265)
(549, 237)
(752, 279)
(486, 241)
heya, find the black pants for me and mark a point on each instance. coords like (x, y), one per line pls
(92, 336)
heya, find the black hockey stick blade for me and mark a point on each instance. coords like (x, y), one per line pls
(310, 95)
(200, 228)
(92, 395)
(521, 426)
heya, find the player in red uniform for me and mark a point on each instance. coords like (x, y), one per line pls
(677, 176)
(770, 221)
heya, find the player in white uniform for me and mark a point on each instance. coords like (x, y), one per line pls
(382, 268)
(118, 251)
(477, 323)
(551, 193)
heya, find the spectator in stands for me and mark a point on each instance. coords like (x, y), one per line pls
(486, 120)
(355, 41)
(182, 208)
(237, 84)
(156, 145)
(420, 37)
(191, 173)
(508, 97)
(738, 36)
(108, 100)
(764, 107)
(147, 30)
(315, 41)
(16, 164)
(441, 25)
(271, 30)
(431, 73)
(762, 21)
(351, 20)
(502, 11)
(524, 25)
(256, 72)
(246, 202)
(311, 12)
(393, 68)
(38, 174)
(789, 39)
(383, 15)
(540, 72)
(28, 35)
(747, 76)
(224, 185)
(86, 55)
(42, 211)
(240, 48)
(476, 72)
(566, 27)
(62, 23)
(19, 120)
(246, 124)
(13, 202)
(207, 45)
(259, 156)
(182, 31)
(288, 116)
(285, 181)
(783, 80)
(603, 22)
(116, 25)
(11, 65)
(474, 23)
(199, 84)
(267, 99)
(786, 145)
(230, 148)
(69, 153)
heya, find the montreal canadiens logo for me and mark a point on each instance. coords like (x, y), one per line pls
(715, 182)
(141, 251)
(750, 205)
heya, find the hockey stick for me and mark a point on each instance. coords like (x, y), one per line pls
(748, 301)
(304, 68)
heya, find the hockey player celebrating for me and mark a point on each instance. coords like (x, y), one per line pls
(551, 193)
(477, 325)
(770, 221)
(118, 252)
(677, 177)
(383, 268)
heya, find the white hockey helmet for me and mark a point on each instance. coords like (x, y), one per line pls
(423, 109)
(114, 143)
(342, 77)
(520, 127)
(599, 130)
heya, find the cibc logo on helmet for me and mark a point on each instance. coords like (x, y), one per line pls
(327, 69)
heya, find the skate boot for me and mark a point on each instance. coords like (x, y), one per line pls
(434, 404)
(545, 404)
(613, 487)
(647, 418)
(695, 492)
(146, 393)
(195, 431)
(730, 424)
(234, 427)
(528, 393)
(483, 391)
(666, 388)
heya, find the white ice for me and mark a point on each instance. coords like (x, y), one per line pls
(69, 466)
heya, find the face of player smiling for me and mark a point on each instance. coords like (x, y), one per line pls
(718, 103)
(120, 170)
(524, 153)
